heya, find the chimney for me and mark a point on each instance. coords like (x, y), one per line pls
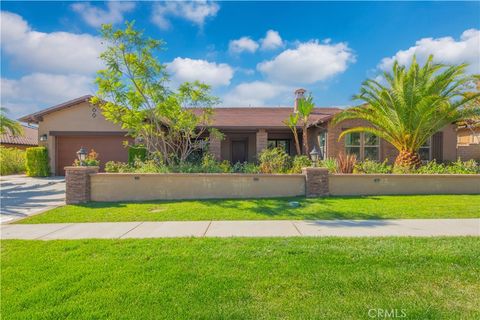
(299, 94)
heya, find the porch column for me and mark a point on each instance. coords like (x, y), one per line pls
(215, 147)
(262, 140)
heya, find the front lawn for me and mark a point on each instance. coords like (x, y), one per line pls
(427, 278)
(369, 207)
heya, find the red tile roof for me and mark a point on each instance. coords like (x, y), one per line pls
(264, 117)
(29, 137)
(224, 117)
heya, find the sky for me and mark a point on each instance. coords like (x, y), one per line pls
(251, 53)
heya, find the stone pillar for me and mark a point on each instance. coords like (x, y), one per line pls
(262, 140)
(215, 147)
(316, 182)
(77, 180)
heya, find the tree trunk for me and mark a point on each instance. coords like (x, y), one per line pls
(408, 159)
(305, 141)
(297, 142)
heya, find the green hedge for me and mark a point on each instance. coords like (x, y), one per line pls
(12, 161)
(37, 162)
(136, 153)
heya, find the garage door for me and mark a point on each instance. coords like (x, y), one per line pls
(109, 148)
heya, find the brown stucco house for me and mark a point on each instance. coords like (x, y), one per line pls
(66, 127)
(29, 138)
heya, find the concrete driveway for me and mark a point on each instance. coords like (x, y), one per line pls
(22, 196)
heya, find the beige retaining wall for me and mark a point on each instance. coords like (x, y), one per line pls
(138, 187)
(378, 184)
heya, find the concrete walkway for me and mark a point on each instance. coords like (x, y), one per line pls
(286, 228)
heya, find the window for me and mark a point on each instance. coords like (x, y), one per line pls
(322, 143)
(363, 144)
(425, 150)
(275, 143)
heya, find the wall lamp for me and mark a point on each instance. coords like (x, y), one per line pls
(43, 137)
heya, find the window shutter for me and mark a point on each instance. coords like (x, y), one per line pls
(437, 146)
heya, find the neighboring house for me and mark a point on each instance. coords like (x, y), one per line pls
(468, 142)
(29, 138)
(247, 131)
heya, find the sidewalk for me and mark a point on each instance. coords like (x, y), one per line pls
(280, 228)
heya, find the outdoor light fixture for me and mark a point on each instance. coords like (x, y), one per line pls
(82, 155)
(43, 137)
(314, 155)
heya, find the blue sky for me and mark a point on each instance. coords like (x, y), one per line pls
(252, 53)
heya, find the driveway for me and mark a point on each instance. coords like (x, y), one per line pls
(22, 196)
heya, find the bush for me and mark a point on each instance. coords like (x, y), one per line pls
(12, 161)
(346, 163)
(117, 167)
(136, 153)
(245, 167)
(37, 162)
(274, 160)
(300, 162)
(330, 164)
(210, 165)
(370, 166)
(457, 167)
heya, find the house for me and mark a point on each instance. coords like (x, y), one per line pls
(29, 138)
(468, 142)
(247, 131)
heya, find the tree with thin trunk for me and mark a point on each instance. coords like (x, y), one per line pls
(292, 122)
(134, 91)
(305, 107)
(8, 125)
(415, 103)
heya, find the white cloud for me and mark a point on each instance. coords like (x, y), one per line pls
(445, 50)
(243, 44)
(25, 95)
(194, 11)
(95, 16)
(186, 69)
(56, 52)
(310, 62)
(271, 41)
(255, 94)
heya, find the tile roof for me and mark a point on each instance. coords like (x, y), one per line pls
(264, 117)
(231, 117)
(29, 137)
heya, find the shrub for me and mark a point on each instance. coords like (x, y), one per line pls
(210, 165)
(330, 164)
(12, 161)
(346, 162)
(431, 167)
(370, 166)
(245, 167)
(37, 162)
(300, 162)
(116, 167)
(274, 160)
(149, 166)
(457, 167)
(136, 153)
(226, 166)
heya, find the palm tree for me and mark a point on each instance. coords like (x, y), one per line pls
(292, 122)
(8, 125)
(305, 107)
(415, 103)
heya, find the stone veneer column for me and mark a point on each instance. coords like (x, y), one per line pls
(316, 182)
(215, 147)
(261, 140)
(77, 180)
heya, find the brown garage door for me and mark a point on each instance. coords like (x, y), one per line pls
(109, 148)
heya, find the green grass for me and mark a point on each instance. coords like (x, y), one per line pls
(372, 207)
(294, 278)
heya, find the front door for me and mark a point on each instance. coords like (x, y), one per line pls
(239, 151)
